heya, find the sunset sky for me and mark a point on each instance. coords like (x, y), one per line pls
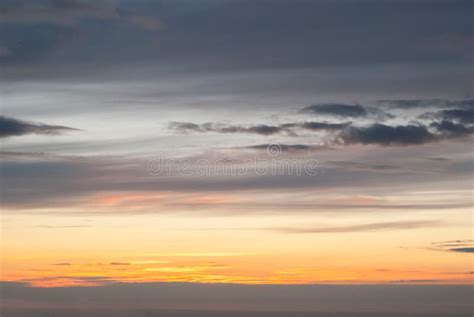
(365, 107)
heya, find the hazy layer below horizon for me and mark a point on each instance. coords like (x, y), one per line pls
(167, 313)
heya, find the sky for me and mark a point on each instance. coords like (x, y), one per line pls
(240, 143)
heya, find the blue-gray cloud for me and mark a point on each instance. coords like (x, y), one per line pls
(233, 35)
(411, 134)
(14, 127)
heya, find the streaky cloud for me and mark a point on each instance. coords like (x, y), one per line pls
(378, 226)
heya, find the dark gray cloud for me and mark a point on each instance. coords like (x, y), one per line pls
(14, 127)
(239, 35)
(379, 226)
(462, 250)
(316, 126)
(464, 116)
(450, 129)
(387, 135)
(261, 129)
(454, 123)
(411, 134)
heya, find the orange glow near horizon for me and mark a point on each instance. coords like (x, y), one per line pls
(71, 249)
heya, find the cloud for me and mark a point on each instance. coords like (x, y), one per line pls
(465, 116)
(284, 147)
(450, 129)
(358, 166)
(75, 280)
(426, 103)
(462, 250)
(458, 246)
(387, 135)
(411, 134)
(312, 125)
(59, 12)
(71, 12)
(346, 111)
(14, 127)
(337, 109)
(379, 226)
(412, 103)
(260, 129)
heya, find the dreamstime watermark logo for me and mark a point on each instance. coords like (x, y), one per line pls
(273, 163)
(273, 150)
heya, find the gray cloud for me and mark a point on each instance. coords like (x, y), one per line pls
(306, 41)
(261, 129)
(284, 147)
(379, 226)
(70, 12)
(450, 129)
(316, 126)
(78, 180)
(14, 127)
(427, 103)
(347, 111)
(458, 246)
(337, 109)
(387, 135)
(462, 250)
(386, 168)
(411, 134)
(464, 116)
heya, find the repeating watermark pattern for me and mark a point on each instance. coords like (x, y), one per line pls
(269, 164)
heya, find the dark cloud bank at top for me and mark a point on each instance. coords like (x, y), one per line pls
(77, 36)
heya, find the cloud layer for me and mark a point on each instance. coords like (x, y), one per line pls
(453, 123)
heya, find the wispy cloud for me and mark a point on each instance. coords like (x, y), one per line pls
(458, 246)
(378, 226)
